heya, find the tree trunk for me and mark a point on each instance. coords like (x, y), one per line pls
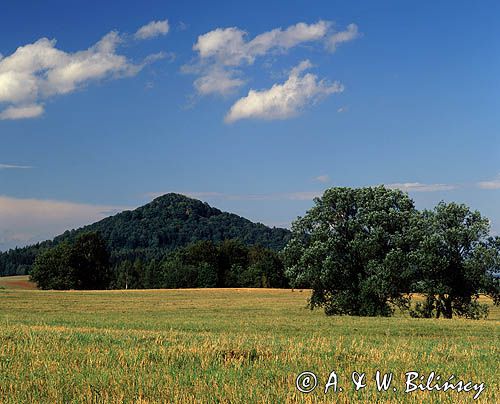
(447, 312)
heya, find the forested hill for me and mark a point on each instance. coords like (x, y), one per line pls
(152, 230)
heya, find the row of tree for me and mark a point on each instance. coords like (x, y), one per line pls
(365, 251)
(85, 264)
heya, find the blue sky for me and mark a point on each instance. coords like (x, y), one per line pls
(254, 107)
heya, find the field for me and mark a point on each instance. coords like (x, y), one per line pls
(16, 282)
(225, 346)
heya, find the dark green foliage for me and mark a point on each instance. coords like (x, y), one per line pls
(227, 264)
(18, 261)
(152, 231)
(455, 260)
(83, 264)
(352, 249)
(364, 250)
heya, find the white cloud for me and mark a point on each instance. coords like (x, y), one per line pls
(322, 178)
(419, 187)
(493, 184)
(218, 81)
(39, 70)
(230, 47)
(21, 112)
(223, 49)
(342, 110)
(153, 29)
(13, 166)
(24, 221)
(285, 100)
(348, 35)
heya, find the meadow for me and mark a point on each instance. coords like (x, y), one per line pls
(225, 346)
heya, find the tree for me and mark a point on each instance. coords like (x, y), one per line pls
(352, 249)
(89, 260)
(232, 260)
(455, 260)
(267, 268)
(51, 269)
(83, 264)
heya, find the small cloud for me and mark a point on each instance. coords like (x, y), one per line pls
(230, 47)
(182, 26)
(24, 112)
(492, 184)
(419, 187)
(153, 29)
(322, 178)
(218, 81)
(348, 35)
(285, 100)
(343, 109)
(13, 166)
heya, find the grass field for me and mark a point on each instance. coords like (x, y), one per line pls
(227, 346)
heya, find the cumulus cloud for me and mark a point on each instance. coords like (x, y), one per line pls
(285, 100)
(337, 38)
(230, 47)
(219, 81)
(419, 187)
(153, 29)
(223, 49)
(39, 70)
(24, 221)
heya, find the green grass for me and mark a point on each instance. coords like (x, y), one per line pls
(229, 345)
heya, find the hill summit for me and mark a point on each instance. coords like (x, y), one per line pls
(151, 231)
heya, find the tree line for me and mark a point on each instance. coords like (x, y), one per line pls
(85, 264)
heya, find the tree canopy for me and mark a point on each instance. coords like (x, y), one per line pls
(351, 248)
(455, 259)
(205, 264)
(365, 251)
(83, 264)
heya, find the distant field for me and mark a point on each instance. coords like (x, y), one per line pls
(16, 282)
(224, 346)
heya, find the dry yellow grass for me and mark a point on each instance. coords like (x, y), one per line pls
(224, 346)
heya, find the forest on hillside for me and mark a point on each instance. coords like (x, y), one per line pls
(149, 233)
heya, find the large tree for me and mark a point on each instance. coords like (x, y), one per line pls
(83, 264)
(455, 259)
(352, 248)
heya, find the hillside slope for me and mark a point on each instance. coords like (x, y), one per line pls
(152, 230)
